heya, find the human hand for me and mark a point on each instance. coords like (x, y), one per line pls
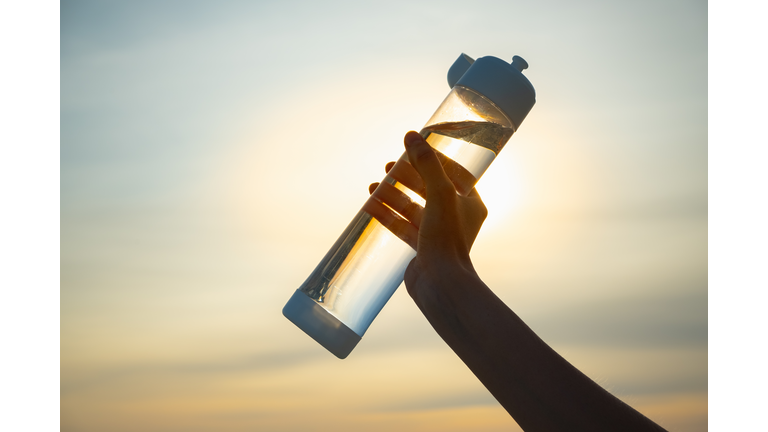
(443, 231)
(537, 386)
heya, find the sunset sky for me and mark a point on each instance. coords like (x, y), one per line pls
(212, 152)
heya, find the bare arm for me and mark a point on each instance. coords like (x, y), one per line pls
(540, 389)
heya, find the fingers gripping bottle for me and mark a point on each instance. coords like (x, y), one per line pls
(489, 99)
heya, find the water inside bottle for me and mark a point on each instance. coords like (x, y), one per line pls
(472, 144)
(367, 263)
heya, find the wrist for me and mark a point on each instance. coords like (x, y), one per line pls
(441, 284)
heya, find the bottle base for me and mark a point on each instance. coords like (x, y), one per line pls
(320, 325)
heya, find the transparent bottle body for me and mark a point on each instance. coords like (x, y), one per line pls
(367, 263)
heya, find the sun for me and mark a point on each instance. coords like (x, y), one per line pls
(500, 190)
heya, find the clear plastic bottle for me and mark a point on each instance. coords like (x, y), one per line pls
(341, 297)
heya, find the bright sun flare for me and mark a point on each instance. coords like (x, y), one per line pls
(500, 192)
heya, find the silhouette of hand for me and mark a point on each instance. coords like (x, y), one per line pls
(443, 231)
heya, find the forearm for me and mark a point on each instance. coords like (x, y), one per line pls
(540, 389)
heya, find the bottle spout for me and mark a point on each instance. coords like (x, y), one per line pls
(519, 64)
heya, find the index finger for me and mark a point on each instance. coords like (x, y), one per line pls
(406, 174)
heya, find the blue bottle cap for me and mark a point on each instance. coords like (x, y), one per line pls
(502, 83)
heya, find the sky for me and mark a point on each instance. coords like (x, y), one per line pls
(212, 152)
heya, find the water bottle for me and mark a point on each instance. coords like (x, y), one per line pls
(489, 99)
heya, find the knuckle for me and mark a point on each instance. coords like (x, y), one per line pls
(482, 211)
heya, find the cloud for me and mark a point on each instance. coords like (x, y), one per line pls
(653, 321)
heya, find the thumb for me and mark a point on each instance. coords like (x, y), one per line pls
(425, 161)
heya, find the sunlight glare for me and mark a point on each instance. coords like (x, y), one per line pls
(500, 191)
